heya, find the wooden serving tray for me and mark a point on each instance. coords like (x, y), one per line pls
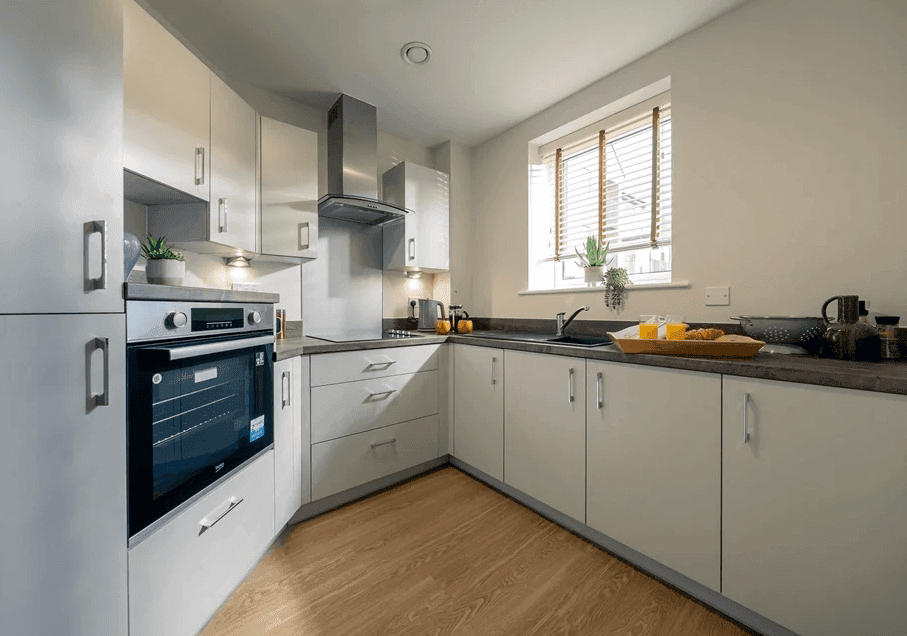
(694, 348)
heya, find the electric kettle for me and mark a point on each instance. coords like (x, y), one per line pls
(429, 313)
(847, 338)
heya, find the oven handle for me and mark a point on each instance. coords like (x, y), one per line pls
(191, 351)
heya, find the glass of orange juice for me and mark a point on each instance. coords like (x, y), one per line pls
(675, 329)
(648, 327)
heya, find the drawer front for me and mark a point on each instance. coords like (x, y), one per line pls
(355, 407)
(181, 574)
(358, 459)
(350, 366)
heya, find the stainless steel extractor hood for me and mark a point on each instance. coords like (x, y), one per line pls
(353, 166)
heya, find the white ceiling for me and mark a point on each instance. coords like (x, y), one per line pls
(495, 63)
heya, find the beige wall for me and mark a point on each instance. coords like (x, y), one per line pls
(789, 181)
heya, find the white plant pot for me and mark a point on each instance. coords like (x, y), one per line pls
(161, 271)
(594, 274)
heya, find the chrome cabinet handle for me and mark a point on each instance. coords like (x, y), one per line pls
(93, 400)
(412, 249)
(570, 385)
(384, 443)
(285, 396)
(599, 390)
(299, 229)
(494, 374)
(207, 523)
(746, 405)
(96, 227)
(379, 366)
(387, 393)
(200, 153)
(223, 211)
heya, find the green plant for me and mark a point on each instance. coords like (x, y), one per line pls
(157, 249)
(596, 253)
(616, 279)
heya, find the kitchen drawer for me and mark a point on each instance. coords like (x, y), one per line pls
(181, 574)
(354, 407)
(376, 363)
(358, 459)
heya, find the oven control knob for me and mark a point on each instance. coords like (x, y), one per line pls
(254, 318)
(176, 319)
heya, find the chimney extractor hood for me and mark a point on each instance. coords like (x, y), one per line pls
(353, 166)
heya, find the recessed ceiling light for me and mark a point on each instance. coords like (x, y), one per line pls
(416, 53)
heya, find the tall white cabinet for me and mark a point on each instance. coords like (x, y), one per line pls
(62, 328)
(479, 408)
(292, 442)
(654, 473)
(815, 506)
(545, 429)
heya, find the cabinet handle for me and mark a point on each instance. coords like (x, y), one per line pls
(285, 396)
(570, 385)
(599, 390)
(223, 212)
(208, 523)
(199, 158)
(388, 392)
(746, 405)
(93, 400)
(96, 227)
(299, 230)
(384, 443)
(379, 366)
(412, 249)
(494, 374)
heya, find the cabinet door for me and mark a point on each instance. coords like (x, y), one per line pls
(232, 219)
(479, 408)
(61, 200)
(167, 106)
(305, 430)
(815, 506)
(289, 190)
(545, 429)
(431, 223)
(287, 440)
(63, 466)
(653, 474)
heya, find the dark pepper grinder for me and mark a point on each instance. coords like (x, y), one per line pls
(848, 338)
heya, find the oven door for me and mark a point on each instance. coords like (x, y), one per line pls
(196, 411)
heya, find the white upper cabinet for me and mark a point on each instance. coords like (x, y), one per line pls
(545, 429)
(479, 408)
(815, 506)
(167, 107)
(61, 117)
(420, 241)
(654, 473)
(289, 191)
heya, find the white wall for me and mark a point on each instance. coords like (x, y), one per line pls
(789, 181)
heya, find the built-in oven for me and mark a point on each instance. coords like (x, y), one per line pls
(200, 400)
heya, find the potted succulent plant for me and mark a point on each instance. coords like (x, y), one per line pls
(594, 260)
(164, 266)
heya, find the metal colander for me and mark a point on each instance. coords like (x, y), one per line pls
(782, 329)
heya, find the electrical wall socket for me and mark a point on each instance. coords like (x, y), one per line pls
(717, 295)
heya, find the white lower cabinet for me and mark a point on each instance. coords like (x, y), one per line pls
(292, 475)
(181, 574)
(654, 469)
(340, 464)
(815, 506)
(478, 410)
(545, 429)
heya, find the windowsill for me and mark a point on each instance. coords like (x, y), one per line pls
(677, 284)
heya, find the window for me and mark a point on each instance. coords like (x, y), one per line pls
(612, 180)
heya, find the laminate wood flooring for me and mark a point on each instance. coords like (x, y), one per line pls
(444, 554)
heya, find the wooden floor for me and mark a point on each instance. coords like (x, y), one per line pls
(444, 554)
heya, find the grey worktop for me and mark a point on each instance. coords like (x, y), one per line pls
(145, 291)
(883, 377)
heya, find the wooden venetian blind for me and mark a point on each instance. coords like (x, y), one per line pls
(615, 185)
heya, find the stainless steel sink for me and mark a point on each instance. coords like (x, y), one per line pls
(581, 341)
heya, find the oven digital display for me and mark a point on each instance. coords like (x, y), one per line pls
(211, 319)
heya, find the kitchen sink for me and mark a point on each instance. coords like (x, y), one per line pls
(581, 341)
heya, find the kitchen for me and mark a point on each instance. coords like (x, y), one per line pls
(769, 93)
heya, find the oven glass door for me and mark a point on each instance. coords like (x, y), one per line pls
(193, 419)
